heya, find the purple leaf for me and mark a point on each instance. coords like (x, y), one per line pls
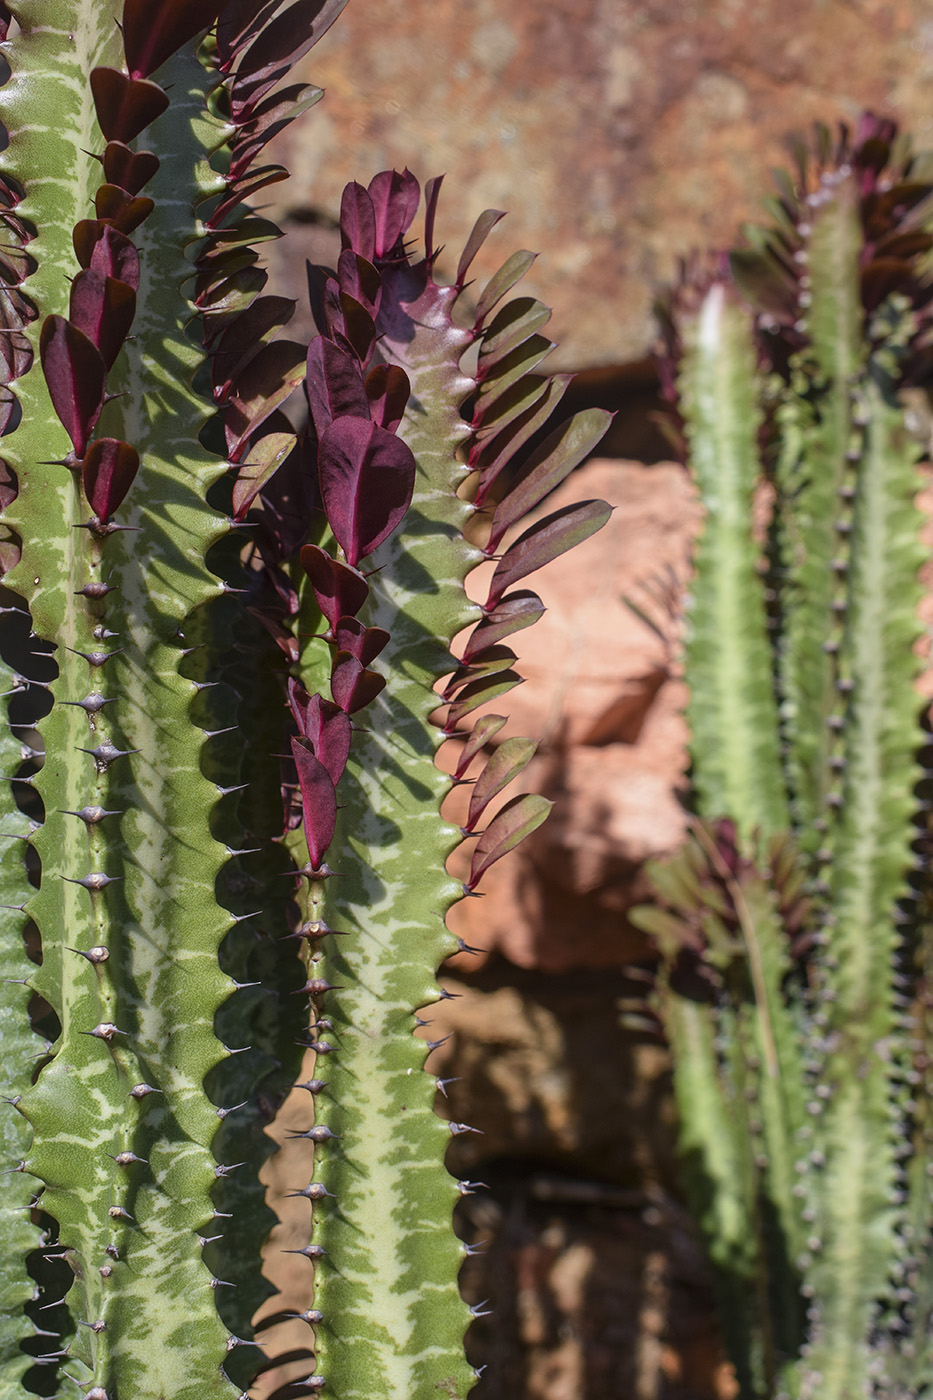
(103, 308)
(8, 405)
(515, 322)
(128, 169)
(485, 729)
(334, 385)
(356, 326)
(318, 800)
(432, 192)
(262, 386)
(240, 190)
(547, 467)
(395, 200)
(9, 486)
(125, 106)
(358, 221)
(104, 249)
(544, 541)
(340, 590)
(480, 692)
(510, 370)
(480, 232)
(496, 453)
(357, 276)
(388, 390)
(517, 819)
(269, 119)
(509, 759)
(367, 477)
(519, 610)
(152, 33)
(75, 374)
(108, 471)
(122, 210)
(352, 686)
(277, 47)
(264, 459)
(325, 725)
(223, 300)
(244, 336)
(365, 643)
(239, 23)
(491, 662)
(501, 282)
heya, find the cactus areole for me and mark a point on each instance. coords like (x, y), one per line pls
(226, 650)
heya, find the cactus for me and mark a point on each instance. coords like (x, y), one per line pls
(794, 927)
(221, 821)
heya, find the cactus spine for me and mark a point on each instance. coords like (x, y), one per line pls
(794, 927)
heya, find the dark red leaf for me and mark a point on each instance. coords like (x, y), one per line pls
(547, 467)
(230, 297)
(263, 460)
(11, 550)
(519, 610)
(480, 692)
(318, 800)
(340, 590)
(123, 210)
(108, 471)
(240, 190)
(356, 326)
(239, 23)
(269, 119)
(325, 724)
(432, 192)
(358, 221)
(103, 308)
(484, 730)
(352, 686)
(75, 374)
(510, 370)
(395, 198)
(493, 661)
(365, 643)
(498, 452)
(544, 541)
(513, 323)
(388, 390)
(244, 336)
(277, 47)
(128, 169)
(153, 32)
(509, 759)
(285, 640)
(105, 249)
(359, 278)
(8, 408)
(262, 386)
(517, 819)
(480, 232)
(9, 486)
(334, 385)
(125, 106)
(367, 477)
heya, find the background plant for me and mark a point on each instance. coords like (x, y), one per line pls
(795, 926)
(173, 752)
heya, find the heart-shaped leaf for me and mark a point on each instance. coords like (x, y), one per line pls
(264, 459)
(508, 828)
(75, 374)
(388, 389)
(340, 591)
(104, 249)
(262, 386)
(244, 337)
(359, 279)
(352, 686)
(131, 170)
(395, 196)
(544, 541)
(318, 800)
(125, 106)
(483, 732)
(334, 385)
(152, 33)
(108, 471)
(123, 210)
(325, 725)
(367, 477)
(103, 308)
(509, 759)
(365, 643)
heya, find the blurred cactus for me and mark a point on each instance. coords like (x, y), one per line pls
(208, 783)
(795, 926)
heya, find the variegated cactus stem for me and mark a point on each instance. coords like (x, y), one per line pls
(107, 526)
(415, 457)
(802, 1053)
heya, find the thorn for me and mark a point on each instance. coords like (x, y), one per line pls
(221, 1283)
(91, 704)
(106, 1030)
(241, 918)
(118, 1213)
(314, 1191)
(247, 850)
(310, 1251)
(208, 1239)
(212, 733)
(95, 589)
(96, 658)
(126, 1159)
(106, 753)
(220, 1171)
(481, 1309)
(94, 881)
(91, 815)
(316, 987)
(105, 1271)
(98, 1326)
(315, 1134)
(99, 954)
(469, 1188)
(204, 685)
(142, 1091)
(313, 1086)
(457, 1128)
(463, 947)
(312, 1316)
(225, 791)
(441, 1084)
(223, 1112)
(433, 1044)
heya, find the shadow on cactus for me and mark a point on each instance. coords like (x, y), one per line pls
(226, 652)
(794, 928)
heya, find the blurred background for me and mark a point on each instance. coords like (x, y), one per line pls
(619, 135)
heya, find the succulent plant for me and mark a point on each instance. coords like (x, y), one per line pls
(795, 926)
(226, 644)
